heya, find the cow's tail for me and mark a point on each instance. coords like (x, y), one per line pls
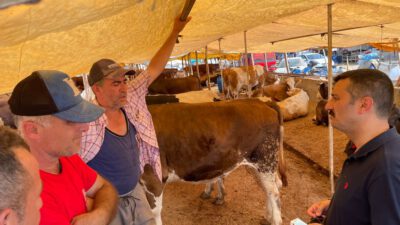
(281, 161)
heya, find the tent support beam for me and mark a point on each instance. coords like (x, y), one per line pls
(324, 33)
(331, 173)
(207, 68)
(246, 63)
(220, 64)
(197, 65)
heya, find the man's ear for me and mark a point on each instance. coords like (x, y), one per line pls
(30, 129)
(95, 88)
(366, 104)
(5, 216)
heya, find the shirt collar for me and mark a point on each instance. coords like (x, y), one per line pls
(374, 144)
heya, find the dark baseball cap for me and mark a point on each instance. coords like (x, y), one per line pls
(104, 68)
(50, 92)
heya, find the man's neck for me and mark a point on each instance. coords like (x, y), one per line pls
(116, 121)
(368, 131)
(47, 163)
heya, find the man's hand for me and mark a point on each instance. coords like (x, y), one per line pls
(319, 208)
(91, 218)
(101, 202)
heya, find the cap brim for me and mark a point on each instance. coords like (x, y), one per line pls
(83, 112)
(121, 72)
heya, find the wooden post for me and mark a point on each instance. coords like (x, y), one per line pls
(190, 64)
(331, 173)
(207, 68)
(246, 63)
(266, 61)
(197, 65)
(287, 63)
(220, 66)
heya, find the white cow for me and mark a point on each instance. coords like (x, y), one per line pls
(294, 106)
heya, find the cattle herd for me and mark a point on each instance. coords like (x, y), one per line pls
(204, 135)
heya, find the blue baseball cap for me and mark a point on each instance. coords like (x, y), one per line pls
(50, 92)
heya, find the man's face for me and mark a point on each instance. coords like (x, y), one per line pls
(62, 138)
(342, 111)
(33, 202)
(112, 93)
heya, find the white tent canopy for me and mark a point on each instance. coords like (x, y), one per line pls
(71, 35)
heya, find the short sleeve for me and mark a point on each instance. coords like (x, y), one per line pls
(87, 174)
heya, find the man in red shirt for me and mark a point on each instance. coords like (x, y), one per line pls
(51, 116)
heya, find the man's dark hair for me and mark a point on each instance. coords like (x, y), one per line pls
(373, 83)
(14, 179)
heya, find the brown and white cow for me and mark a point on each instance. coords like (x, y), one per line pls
(235, 79)
(174, 86)
(277, 92)
(201, 142)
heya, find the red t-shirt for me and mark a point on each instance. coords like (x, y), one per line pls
(63, 194)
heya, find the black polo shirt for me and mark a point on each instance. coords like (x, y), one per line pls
(368, 189)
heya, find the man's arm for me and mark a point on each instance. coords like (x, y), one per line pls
(105, 201)
(159, 60)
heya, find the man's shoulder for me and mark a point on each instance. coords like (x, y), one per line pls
(74, 161)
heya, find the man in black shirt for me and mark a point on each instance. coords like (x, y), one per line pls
(367, 191)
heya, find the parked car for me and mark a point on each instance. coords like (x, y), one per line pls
(318, 59)
(368, 60)
(295, 63)
(259, 59)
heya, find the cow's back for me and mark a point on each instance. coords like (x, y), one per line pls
(175, 86)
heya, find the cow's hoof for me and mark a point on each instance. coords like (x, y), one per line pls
(218, 201)
(264, 222)
(205, 196)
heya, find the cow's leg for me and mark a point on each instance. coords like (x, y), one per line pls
(221, 192)
(207, 191)
(271, 183)
(157, 210)
(153, 188)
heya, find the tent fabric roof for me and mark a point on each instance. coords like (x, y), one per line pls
(71, 35)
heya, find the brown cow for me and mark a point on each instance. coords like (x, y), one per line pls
(321, 114)
(201, 142)
(168, 73)
(175, 86)
(213, 68)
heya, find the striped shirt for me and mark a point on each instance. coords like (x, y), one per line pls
(138, 114)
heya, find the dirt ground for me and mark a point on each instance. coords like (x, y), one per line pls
(312, 141)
